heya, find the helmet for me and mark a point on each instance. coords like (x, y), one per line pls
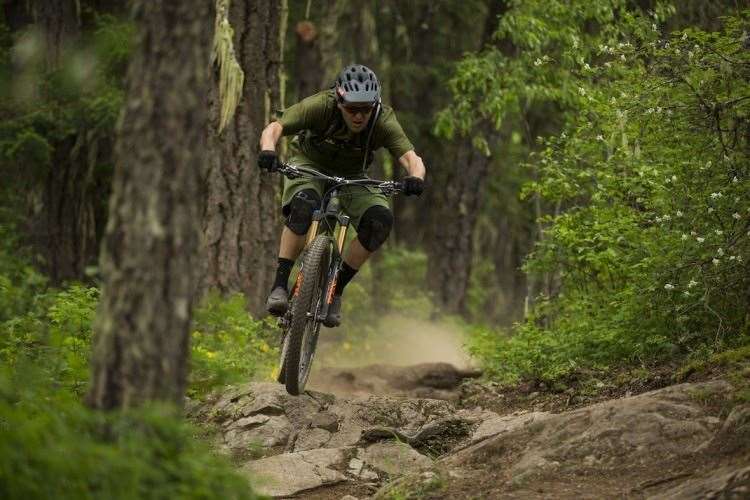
(357, 84)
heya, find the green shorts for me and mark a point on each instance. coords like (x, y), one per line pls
(355, 200)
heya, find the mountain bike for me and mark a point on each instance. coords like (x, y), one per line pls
(321, 259)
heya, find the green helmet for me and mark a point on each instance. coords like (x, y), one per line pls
(357, 84)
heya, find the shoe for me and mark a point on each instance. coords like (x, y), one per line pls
(333, 319)
(278, 301)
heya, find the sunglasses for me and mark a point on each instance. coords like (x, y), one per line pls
(353, 110)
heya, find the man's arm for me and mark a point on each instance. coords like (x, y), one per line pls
(270, 136)
(413, 164)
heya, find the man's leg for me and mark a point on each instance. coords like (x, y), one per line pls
(374, 227)
(299, 212)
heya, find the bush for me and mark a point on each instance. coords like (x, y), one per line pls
(649, 243)
(53, 447)
(228, 345)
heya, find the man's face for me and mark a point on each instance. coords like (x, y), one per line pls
(356, 116)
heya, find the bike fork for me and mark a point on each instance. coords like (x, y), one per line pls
(333, 273)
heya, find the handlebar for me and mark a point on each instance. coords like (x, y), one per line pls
(295, 172)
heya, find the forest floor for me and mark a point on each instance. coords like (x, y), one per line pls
(433, 431)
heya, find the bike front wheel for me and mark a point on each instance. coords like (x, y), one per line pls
(302, 336)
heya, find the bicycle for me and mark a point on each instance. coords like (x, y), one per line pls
(321, 259)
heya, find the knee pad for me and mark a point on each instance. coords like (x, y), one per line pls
(374, 227)
(301, 210)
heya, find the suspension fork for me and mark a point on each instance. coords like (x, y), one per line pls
(336, 264)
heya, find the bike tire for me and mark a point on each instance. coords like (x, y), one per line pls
(314, 268)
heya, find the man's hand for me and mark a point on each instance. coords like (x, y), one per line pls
(268, 160)
(413, 186)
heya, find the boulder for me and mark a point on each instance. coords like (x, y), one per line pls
(292, 473)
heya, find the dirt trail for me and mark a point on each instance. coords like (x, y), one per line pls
(682, 441)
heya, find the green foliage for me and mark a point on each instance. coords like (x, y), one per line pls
(229, 346)
(649, 243)
(53, 447)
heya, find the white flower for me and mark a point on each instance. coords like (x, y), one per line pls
(667, 218)
(679, 212)
(669, 286)
(715, 195)
(623, 58)
(684, 237)
(674, 178)
(612, 100)
(693, 233)
(719, 232)
(732, 257)
(649, 111)
(715, 261)
(720, 252)
(739, 258)
(686, 293)
(700, 239)
(587, 67)
(684, 36)
(692, 283)
(658, 219)
(538, 62)
(653, 26)
(710, 209)
(735, 180)
(599, 137)
(658, 109)
(736, 216)
(581, 90)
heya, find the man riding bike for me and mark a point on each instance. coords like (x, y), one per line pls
(338, 130)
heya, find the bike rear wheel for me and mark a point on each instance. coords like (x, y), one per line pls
(302, 336)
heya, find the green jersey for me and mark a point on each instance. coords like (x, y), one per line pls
(324, 138)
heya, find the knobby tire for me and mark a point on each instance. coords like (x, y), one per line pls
(314, 268)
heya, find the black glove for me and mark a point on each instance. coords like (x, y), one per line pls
(413, 186)
(268, 160)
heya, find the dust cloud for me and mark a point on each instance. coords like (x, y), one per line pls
(397, 340)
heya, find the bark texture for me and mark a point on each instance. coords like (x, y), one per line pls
(149, 253)
(59, 24)
(450, 236)
(308, 60)
(241, 215)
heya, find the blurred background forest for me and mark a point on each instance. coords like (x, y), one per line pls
(586, 205)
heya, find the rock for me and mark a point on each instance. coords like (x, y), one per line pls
(734, 434)
(369, 475)
(395, 458)
(493, 426)
(292, 473)
(613, 435)
(325, 420)
(264, 431)
(355, 466)
(434, 380)
(723, 483)
(309, 439)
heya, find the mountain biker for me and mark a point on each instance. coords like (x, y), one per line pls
(337, 131)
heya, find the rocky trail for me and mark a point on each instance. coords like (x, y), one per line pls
(408, 432)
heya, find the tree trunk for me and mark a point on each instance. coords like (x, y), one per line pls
(455, 196)
(241, 218)
(149, 253)
(58, 20)
(308, 69)
(450, 238)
